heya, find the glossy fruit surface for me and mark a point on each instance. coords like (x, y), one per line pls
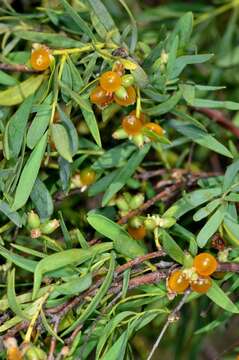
(40, 59)
(177, 282)
(130, 99)
(202, 284)
(131, 125)
(143, 117)
(100, 97)
(205, 264)
(87, 176)
(14, 354)
(137, 233)
(155, 128)
(110, 81)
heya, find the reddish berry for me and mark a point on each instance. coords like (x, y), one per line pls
(155, 128)
(177, 282)
(40, 58)
(110, 81)
(137, 233)
(131, 125)
(205, 264)
(129, 100)
(202, 284)
(87, 176)
(100, 97)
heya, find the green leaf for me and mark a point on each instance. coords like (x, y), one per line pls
(29, 174)
(166, 106)
(6, 79)
(105, 18)
(77, 19)
(191, 201)
(232, 230)
(73, 287)
(185, 60)
(64, 258)
(114, 157)
(40, 122)
(172, 57)
(51, 39)
(123, 242)
(22, 262)
(200, 137)
(102, 184)
(12, 215)
(98, 297)
(72, 132)
(42, 199)
(187, 235)
(18, 93)
(217, 295)
(17, 127)
(11, 295)
(61, 141)
(171, 247)
(206, 210)
(230, 175)
(211, 226)
(125, 173)
(183, 29)
(87, 112)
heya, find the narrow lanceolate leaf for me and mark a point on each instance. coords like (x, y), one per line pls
(29, 174)
(61, 141)
(123, 242)
(12, 298)
(200, 137)
(42, 199)
(166, 106)
(47, 38)
(171, 247)
(64, 258)
(232, 230)
(12, 215)
(126, 172)
(16, 94)
(219, 297)
(206, 210)
(211, 226)
(17, 127)
(230, 175)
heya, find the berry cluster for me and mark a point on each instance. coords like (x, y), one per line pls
(198, 277)
(114, 86)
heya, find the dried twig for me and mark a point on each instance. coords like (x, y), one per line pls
(17, 68)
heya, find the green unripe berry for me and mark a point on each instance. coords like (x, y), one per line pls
(49, 226)
(136, 201)
(136, 222)
(33, 220)
(188, 260)
(121, 93)
(138, 140)
(120, 134)
(35, 353)
(150, 224)
(122, 203)
(127, 80)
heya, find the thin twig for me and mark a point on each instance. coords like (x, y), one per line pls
(17, 68)
(171, 318)
(53, 340)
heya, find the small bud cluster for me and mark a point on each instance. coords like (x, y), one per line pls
(37, 228)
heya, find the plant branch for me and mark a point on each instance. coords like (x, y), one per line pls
(17, 68)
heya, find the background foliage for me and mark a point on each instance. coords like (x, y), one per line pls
(74, 292)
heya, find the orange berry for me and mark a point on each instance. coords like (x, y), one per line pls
(202, 284)
(129, 100)
(155, 128)
(177, 282)
(205, 264)
(87, 176)
(143, 117)
(137, 233)
(110, 81)
(100, 97)
(40, 58)
(131, 125)
(14, 353)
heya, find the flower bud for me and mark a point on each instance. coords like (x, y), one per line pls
(122, 203)
(136, 201)
(35, 353)
(138, 140)
(135, 222)
(223, 255)
(150, 224)
(33, 220)
(188, 260)
(35, 233)
(120, 134)
(49, 226)
(121, 93)
(127, 80)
